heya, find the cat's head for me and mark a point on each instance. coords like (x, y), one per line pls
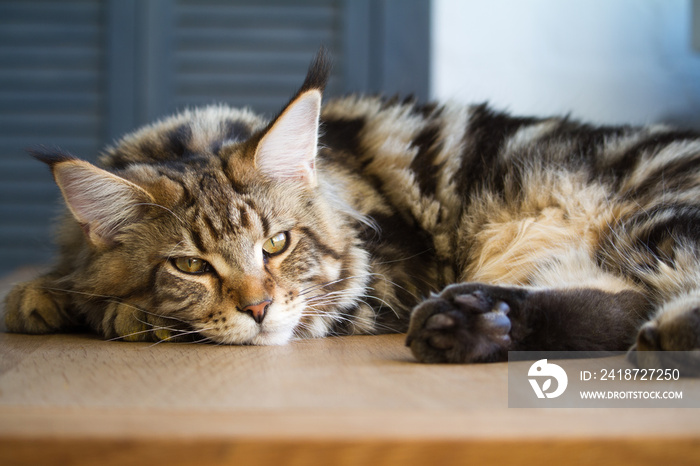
(218, 219)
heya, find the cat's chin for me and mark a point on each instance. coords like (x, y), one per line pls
(263, 338)
(266, 338)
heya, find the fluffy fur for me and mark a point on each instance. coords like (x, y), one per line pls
(543, 233)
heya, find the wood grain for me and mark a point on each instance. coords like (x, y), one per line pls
(651, 452)
(73, 399)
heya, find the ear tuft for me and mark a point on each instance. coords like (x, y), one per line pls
(103, 203)
(50, 156)
(318, 73)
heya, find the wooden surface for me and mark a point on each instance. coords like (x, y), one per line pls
(73, 399)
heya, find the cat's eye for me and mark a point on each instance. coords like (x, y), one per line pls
(191, 265)
(276, 245)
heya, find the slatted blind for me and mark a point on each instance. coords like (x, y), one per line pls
(51, 93)
(250, 53)
(78, 73)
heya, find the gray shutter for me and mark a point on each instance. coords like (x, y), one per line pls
(79, 73)
(250, 53)
(50, 94)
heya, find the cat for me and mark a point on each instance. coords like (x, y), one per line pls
(473, 231)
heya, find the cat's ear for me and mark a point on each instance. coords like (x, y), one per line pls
(103, 203)
(288, 147)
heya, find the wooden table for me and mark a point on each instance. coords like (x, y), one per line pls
(73, 399)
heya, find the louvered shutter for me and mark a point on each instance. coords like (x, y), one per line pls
(250, 53)
(78, 73)
(51, 93)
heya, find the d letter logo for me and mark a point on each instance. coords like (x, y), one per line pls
(542, 368)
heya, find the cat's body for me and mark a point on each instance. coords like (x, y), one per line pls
(558, 235)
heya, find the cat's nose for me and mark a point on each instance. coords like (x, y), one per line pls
(257, 311)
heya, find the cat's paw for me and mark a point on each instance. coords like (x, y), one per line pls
(465, 323)
(123, 321)
(672, 339)
(32, 308)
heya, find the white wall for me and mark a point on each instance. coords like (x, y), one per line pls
(607, 61)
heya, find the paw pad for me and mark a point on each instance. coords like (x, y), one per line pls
(440, 322)
(465, 323)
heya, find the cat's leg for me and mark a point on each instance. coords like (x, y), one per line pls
(476, 322)
(675, 327)
(659, 247)
(37, 307)
(642, 290)
(569, 304)
(42, 306)
(124, 321)
(675, 324)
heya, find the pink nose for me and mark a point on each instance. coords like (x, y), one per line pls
(257, 311)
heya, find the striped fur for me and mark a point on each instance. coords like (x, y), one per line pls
(400, 201)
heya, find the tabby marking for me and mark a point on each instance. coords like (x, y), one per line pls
(542, 233)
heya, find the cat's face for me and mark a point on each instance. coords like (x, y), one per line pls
(253, 264)
(236, 240)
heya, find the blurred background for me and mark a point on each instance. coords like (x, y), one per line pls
(610, 61)
(79, 73)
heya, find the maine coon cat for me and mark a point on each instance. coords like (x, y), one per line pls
(474, 231)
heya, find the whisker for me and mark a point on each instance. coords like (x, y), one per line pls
(207, 340)
(402, 259)
(340, 294)
(325, 284)
(344, 317)
(116, 301)
(119, 337)
(170, 254)
(158, 327)
(113, 299)
(191, 332)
